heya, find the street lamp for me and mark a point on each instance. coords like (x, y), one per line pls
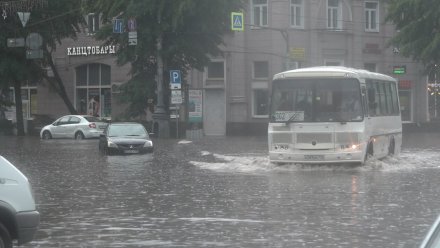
(160, 117)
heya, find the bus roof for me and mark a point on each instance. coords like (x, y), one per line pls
(331, 71)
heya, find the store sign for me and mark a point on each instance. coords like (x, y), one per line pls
(195, 106)
(90, 50)
(176, 97)
(399, 69)
(405, 84)
(297, 53)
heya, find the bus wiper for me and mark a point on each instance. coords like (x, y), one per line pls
(341, 119)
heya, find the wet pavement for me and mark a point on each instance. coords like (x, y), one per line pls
(223, 192)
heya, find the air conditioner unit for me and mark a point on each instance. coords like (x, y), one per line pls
(116, 88)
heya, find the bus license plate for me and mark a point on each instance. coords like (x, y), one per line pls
(314, 157)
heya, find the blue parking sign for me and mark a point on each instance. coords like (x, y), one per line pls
(175, 79)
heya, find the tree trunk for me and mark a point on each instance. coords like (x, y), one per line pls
(58, 84)
(18, 108)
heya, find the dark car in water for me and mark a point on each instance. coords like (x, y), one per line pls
(125, 138)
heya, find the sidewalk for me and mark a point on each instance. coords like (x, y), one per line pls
(421, 127)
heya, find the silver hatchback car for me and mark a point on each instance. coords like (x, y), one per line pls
(74, 126)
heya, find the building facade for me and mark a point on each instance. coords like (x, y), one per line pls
(288, 34)
(89, 73)
(234, 89)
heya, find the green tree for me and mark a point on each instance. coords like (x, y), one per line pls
(53, 20)
(190, 30)
(418, 23)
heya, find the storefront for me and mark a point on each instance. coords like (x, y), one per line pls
(93, 90)
(405, 97)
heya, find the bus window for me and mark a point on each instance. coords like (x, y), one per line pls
(372, 104)
(364, 100)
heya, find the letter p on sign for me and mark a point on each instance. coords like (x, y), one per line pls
(175, 79)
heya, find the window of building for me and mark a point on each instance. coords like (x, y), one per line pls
(259, 12)
(93, 89)
(28, 100)
(260, 100)
(216, 70)
(296, 13)
(261, 70)
(92, 23)
(334, 14)
(372, 16)
(370, 67)
(333, 62)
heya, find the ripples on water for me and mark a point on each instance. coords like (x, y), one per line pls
(257, 163)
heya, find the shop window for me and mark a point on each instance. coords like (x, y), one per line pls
(93, 92)
(333, 62)
(260, 104)
(370, 67)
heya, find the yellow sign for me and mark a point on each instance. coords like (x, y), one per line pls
(297, 53)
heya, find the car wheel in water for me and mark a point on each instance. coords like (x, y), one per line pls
(79, 135)
(5, 237)
(47, 135)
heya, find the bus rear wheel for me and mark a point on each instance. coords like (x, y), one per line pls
(391, 147)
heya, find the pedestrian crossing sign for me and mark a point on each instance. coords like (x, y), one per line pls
(237, 21)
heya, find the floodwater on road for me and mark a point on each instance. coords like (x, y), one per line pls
(223, 192)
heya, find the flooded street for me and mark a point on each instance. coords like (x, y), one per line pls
(223, 192)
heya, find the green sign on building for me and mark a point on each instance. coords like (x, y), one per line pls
(399, 69)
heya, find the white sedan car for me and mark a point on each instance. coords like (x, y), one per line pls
(74, 126)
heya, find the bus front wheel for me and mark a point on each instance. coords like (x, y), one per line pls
(369, 152)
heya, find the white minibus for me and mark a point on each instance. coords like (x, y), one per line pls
(333, 115)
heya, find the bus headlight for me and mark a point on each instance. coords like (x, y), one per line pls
(350, 147)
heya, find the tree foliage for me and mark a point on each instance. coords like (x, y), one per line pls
(418, 23)
(191, 30)
(54, 21)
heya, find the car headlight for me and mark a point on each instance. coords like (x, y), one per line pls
(148, 143)
(111, 144)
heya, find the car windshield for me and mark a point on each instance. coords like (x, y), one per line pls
(316, 100)
(135, 130)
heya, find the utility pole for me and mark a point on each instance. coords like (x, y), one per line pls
(285, 34)
(160, 117)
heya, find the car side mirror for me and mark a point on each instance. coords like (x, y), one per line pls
(152, 135)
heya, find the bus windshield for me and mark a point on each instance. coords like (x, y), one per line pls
(316, 100)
